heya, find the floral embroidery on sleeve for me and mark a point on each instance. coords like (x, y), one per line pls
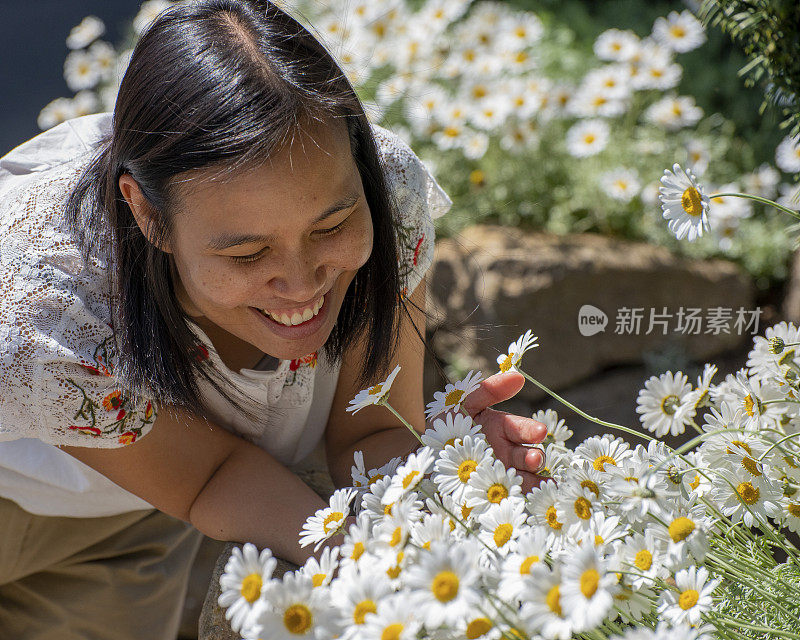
(115, 413)
(295, 366)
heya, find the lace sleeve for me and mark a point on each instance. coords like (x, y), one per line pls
(420, 200)
(57, 350)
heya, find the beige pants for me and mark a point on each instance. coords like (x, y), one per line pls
(113, 578)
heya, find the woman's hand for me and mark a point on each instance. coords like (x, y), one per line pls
(506, 432)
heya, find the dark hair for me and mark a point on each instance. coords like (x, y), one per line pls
(219, 85)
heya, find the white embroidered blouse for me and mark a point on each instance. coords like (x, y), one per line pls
(57, 351)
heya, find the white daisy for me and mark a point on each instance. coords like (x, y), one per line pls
(409, 474)
(644, 555)
(453, 395)
(621, 184)
(58, 111)
(663, 404)
(292, 609)
(433, 527)
(557, 431)
(593, 101)
(356, 596)
(790, 516)
(674, 112)
(321, 571)
(542, 504)
(329, 521)
(587, 589)
(392, 532)
(491, 484)
(661, 75)
(356, 540)
(543, 609)
(600, 452)
(532, 548)
(445, 582)
(587, 138)
(509, 360)
(746, 498)
(247, 572)
(763, 181)
(684, 204)
(449, 430)
(787, 155)
(697, 156)
(374, 395)
(89, 30)
(502, 524)
(691, 597)
(686, 535)
(458, 462)
(397, 618)
(616, 45)
(681, 32)
(81, 71)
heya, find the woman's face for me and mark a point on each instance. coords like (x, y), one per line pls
(268, 254)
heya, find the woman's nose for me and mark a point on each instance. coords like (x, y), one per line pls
(299, 280)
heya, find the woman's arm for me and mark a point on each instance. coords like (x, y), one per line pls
(226, 487)
(374, 430)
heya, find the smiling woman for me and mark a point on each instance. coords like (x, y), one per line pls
(191, 292)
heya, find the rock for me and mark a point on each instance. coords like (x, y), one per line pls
(212, 624)
(490, 283)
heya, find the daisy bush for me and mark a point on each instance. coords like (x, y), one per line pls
(483, 91)
(619, 541)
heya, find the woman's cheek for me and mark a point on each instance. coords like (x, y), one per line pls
(222, 285)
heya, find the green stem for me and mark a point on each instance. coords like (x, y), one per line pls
(403, 420)
(765, 201)
(777, 444)
(780, 633)
(603, 423)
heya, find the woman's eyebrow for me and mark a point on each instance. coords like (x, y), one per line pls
(228, 240)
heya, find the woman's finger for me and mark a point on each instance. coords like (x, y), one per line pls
(494, 389)
(526, 459)
(529, 480)
(515, 429)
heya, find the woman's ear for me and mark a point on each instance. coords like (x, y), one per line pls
(141, 209)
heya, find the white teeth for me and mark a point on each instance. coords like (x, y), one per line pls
(297, 318)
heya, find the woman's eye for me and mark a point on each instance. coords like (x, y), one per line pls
(332, 230)
(251, 258)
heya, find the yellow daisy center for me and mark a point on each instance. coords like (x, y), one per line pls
(552, 518)
(477, 627)
(751, 466)
(362, 609)
(670, 404)
(589, 138)
(691, 202)
(527, 563)
(643, 560)
(397, 536)
(445, 586)
(332, 518)
(598, 540)
(387, 509)
(375, 478)
(505, 365)
(749, 404)
(583, 508)
(496, 493)
(477, 177)
(454, 397)
(409, 479)
(427, 545)
(591, 486)
(297, 619)
(358, 549)
(251, 587)
(794, 509)
(748, 493)
(589, 581)
(600, 462)
(502, 534)
(392, 632)
(465, 470)
(553, 600)
(688, 599)
(677, 31)
(375, 390)
(465, 511)
(452, 132)
(696, 482)
(681, 528)
(317, 579)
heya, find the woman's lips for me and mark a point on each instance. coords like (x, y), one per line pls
(298, 331)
